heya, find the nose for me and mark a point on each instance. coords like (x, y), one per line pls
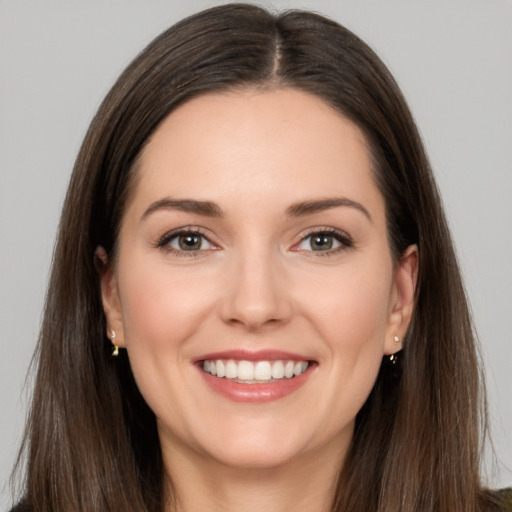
(256, 295)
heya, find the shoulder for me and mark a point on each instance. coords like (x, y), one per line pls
(21, 507)
(505, 500)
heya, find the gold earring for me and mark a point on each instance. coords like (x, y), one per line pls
(394, 357)
(115, 352)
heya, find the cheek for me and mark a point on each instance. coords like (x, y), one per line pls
(352, 319)
(161, 306)
(162, 310)
(352, 307)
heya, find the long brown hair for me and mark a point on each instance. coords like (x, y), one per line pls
(91, 441)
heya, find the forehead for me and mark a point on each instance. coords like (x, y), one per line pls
(277, 146)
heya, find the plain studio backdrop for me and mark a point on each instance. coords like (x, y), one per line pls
(452, 59)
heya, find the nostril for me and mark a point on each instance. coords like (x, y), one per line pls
(253, 323)
(254, 297)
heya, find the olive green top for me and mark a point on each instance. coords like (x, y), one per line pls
(506, 500)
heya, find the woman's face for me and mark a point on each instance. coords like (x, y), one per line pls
(255, 242)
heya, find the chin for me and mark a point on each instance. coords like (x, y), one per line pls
(267, 444)
(264, 456)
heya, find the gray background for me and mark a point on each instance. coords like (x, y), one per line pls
(452, 58)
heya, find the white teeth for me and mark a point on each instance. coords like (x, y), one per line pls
(300, 367)
(245, 370)
(221, 370)
(231, 370)
(251, 372)
(278, 370)
(262, 370)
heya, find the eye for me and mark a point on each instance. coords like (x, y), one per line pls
(188, 242)
(327, 241)
(184, 241)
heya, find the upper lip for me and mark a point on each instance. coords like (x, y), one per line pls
(250, 355)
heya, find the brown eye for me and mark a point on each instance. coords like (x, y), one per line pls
(321, 242)
(186, 241)
(324, 241)
(190, 242)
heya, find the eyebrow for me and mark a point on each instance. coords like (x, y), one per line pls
(206, 208)
(211, 209)
(309, 207)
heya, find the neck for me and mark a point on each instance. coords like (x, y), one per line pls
(303, 484)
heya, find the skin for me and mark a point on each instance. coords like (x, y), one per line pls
(256, 283)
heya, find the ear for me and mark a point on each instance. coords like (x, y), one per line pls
(109, 295)
(402, 300)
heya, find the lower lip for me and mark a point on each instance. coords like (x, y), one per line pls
(256, 393)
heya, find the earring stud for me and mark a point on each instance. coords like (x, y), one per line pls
(115, 352)
(394, 357)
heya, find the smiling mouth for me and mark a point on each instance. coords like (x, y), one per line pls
(254, 372)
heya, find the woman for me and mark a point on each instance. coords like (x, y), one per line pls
(242, 312)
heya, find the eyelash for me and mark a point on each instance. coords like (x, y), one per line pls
(343, 238)
(164, 242)
(345, 241)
